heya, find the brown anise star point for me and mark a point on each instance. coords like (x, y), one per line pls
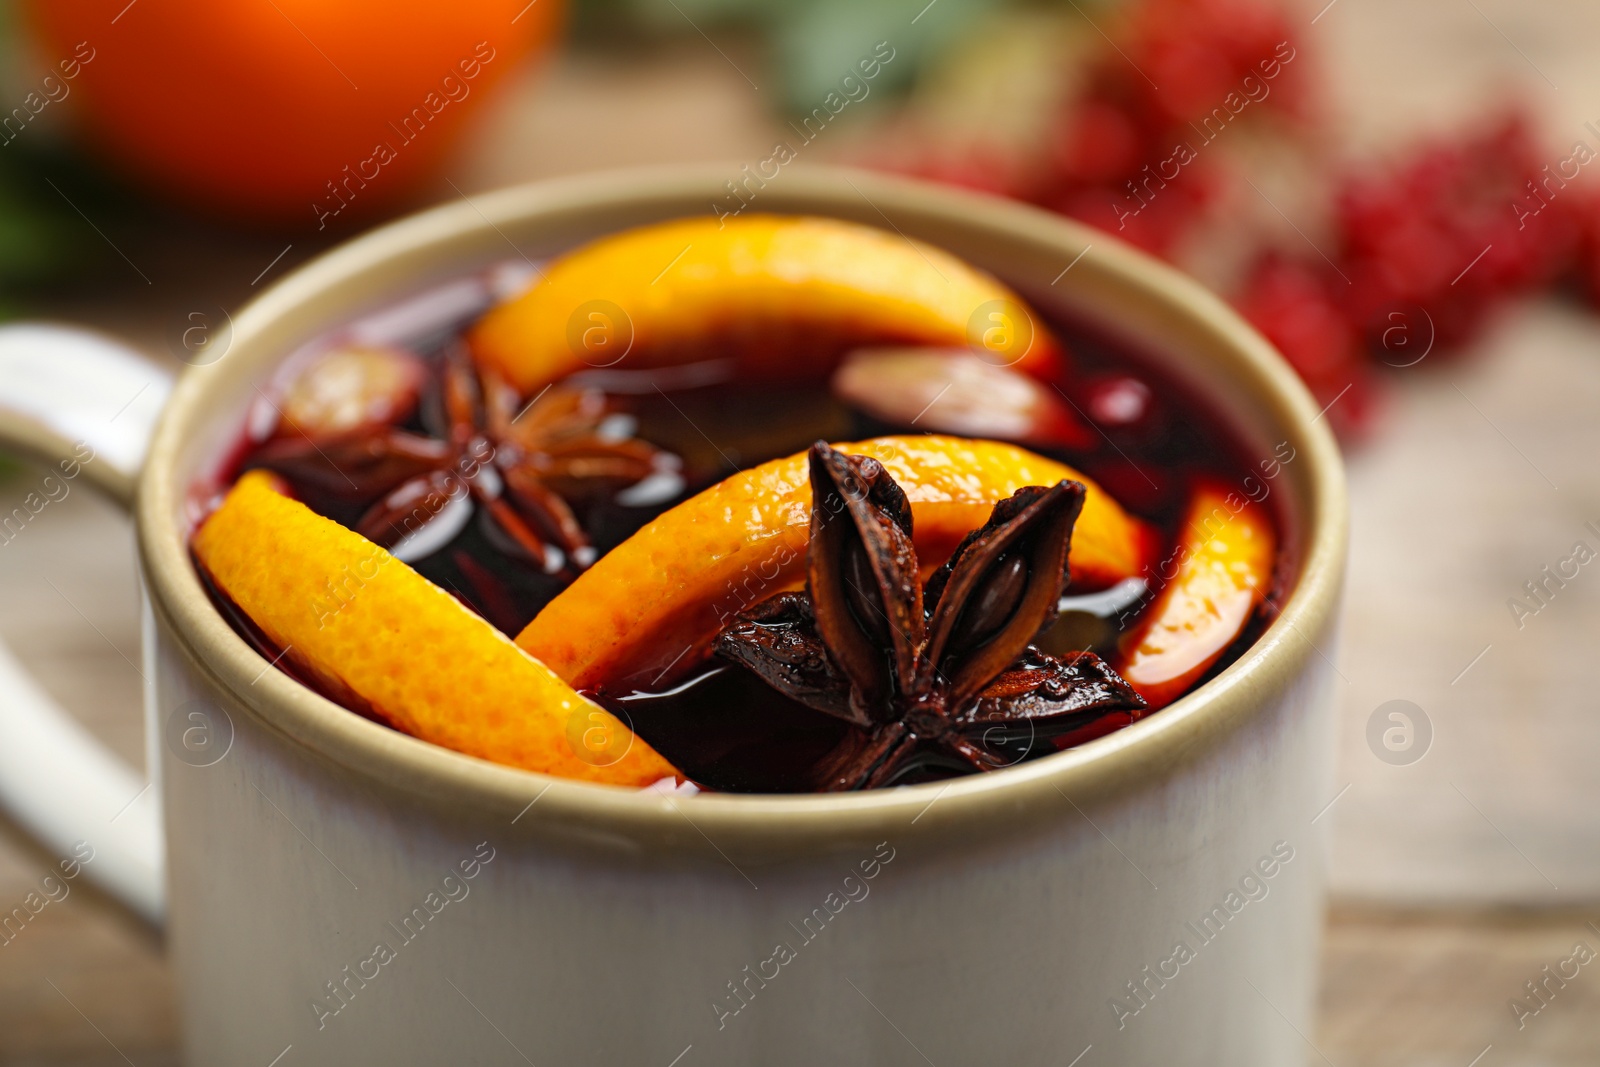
(943, 666)
(522, 467)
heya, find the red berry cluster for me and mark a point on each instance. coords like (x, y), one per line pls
(1424, 254)
(1421, 254)
(1456, 229)
(1131, 150)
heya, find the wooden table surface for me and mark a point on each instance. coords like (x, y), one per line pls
(1456, 878)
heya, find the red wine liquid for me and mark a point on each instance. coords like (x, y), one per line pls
(719, 724)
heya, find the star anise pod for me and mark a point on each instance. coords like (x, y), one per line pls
(947, 666)
(523, 468)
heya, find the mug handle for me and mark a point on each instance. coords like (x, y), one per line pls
(67, 393)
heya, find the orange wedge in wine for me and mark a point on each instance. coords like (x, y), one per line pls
(383, 638)
(783, 296)
(1223, 560)
(645, 605)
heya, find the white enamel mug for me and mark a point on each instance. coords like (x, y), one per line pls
(336, 892)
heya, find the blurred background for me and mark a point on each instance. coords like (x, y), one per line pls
(1399, 195)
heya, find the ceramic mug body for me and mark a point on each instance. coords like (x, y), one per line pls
(338, 892)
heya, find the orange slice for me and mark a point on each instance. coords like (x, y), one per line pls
(785, 296)
(1224, 564)
(364, 623)
(668, 588)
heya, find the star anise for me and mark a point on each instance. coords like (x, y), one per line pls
(947, 666)
(524, 468)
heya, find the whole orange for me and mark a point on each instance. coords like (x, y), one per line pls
(284, 110)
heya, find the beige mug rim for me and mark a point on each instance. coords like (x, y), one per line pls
(777, 825)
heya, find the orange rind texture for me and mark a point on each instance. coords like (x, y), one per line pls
(1224, 559)
(784, 296)
(666, 590)
(365, 624)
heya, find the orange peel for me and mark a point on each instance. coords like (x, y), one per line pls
(1224, 561)
(668, 588)
(784, 296)
(373, 630)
